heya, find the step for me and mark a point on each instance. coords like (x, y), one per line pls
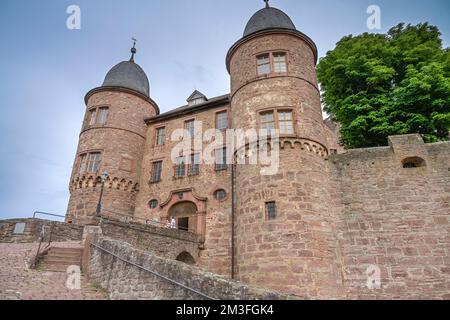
(69, 262)
(55, 268)
(63, 255)
(66, 250)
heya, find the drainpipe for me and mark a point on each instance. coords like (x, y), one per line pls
(233, 203)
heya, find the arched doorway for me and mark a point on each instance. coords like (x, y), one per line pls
(186, 257)
(185, 214)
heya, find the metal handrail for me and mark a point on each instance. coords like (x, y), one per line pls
(154, 273)
(41, 240)
(47, 214)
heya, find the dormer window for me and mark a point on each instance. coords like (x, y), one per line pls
(196, 98)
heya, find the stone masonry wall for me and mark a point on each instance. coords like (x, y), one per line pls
(121, 142)
(61, 231)
(395, 218)
(166, 243)
(125, 281)
(216, 255)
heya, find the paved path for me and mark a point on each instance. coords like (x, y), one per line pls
(17, 282)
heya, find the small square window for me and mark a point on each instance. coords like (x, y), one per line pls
(19, 228)
(271, 210)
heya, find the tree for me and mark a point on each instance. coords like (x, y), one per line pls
(377, 85)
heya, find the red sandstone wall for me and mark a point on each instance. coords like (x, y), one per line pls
(216, 255)
(296, 252)
(395, 218)
(121, 142)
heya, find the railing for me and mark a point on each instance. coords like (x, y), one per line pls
(41, 241)
(47, 214)
(153, 273)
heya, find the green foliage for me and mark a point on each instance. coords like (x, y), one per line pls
(376, 85)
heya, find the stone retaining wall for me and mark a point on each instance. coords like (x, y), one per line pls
(61, 231)
(123, 280)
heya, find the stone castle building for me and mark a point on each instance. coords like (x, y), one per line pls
(312, 229)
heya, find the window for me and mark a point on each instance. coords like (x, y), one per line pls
(156, 171)
(94, 162)
(220, 195)
(278, 119)
(189, 126)
(413, 162)
(180, 167)
(263, 64)
(82, 164)
(160, 136)
(153, 204)
(103, 116)
(285, 122)
(194, 165)
(221, 159)
(271, 210)
(268, 120)
(183, 224)
(222, 120)
(279, 62)
(271, 63)
(92, 117)
(19, 228)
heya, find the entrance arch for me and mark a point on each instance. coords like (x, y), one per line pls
(196, 220)
(186, 257)
(185, 214)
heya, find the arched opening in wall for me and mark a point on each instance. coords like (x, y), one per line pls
(413, 162)
(186, 257)
(185, 215)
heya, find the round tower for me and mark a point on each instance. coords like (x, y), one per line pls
(111, 142)
(283, 224)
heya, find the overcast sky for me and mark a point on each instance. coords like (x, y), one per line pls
(46, 69)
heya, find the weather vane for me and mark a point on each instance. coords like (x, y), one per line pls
(267, 3)
(133, 50)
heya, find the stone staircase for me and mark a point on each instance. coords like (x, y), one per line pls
(59, 259)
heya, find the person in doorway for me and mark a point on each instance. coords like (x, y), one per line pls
(173, 223)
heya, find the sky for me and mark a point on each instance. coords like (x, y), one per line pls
(46, 69)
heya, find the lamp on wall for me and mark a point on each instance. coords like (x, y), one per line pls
(104, 176)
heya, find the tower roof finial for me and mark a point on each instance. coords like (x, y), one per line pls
(267, 3)
(133, 50)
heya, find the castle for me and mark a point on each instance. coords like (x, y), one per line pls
(315, 227)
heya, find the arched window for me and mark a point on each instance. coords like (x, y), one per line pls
(413, 162)
(186, 257)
